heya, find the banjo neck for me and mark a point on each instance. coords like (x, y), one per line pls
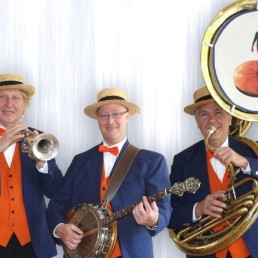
(95, 220)
(190, 185)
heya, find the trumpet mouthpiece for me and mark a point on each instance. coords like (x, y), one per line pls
(211, 129)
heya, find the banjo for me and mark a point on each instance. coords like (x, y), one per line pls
(98, 223)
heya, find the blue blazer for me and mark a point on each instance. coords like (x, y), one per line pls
(192, 162)
(147, 175)
(35, 187)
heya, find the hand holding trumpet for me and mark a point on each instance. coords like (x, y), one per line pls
(40, 147)
(11, 135)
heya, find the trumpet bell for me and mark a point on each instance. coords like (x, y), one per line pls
(45, 146)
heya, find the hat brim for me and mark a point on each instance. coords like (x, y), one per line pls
(28, 89)
(91, 110)
(191, 109)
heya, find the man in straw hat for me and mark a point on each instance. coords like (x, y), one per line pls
(210, 167)
(24, 181)
(88, 176)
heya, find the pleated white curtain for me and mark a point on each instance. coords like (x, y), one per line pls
(71, 49)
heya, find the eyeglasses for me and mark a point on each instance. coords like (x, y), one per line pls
(114, 116)
(4, 98)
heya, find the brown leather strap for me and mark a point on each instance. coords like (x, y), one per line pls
(120, 172)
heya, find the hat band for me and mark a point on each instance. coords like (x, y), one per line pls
(9, 83)
(203, 98)
(110, 98)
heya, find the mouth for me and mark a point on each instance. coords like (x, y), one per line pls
(110, 128)
(8, 112)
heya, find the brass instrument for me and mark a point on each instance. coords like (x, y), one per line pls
(239, 127)
(226, 28)
(240, 213)
(42, 147)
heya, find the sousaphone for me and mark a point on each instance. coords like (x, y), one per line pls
(229, 62)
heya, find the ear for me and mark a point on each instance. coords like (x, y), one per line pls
(196, 120)
(128, 116)
(230, 119)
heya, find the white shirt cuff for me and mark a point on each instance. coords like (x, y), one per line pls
(194, 218)
(44, 169)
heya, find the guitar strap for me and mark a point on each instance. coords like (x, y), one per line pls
(120, 172)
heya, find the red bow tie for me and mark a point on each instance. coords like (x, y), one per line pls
(2, 130)
(210, 154)
(113, 150)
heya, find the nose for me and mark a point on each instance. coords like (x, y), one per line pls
(110, 117)
(8, 101)
(211, 117)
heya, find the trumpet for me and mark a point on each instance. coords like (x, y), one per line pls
(42, 147)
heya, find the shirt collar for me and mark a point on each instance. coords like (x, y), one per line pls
(225, 143)
(119, 144)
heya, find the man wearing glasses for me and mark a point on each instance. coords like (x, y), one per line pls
(87, 180)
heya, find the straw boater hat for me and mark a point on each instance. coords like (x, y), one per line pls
(201, 97)
(111, 96)
(14, 81)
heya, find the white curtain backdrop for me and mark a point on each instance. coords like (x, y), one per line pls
(71, 49)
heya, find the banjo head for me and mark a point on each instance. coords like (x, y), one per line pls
(98, 240)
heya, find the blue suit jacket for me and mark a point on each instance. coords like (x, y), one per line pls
(147, 175)
(35, 186)
(192, 162)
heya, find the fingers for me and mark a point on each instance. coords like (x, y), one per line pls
(226, 156)
(70, 235)
(71, 246)
(17, 128)
(76, 230)
(11, 135)
(145, 213)
(35, 133)
(75, 237)
(213, 206)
